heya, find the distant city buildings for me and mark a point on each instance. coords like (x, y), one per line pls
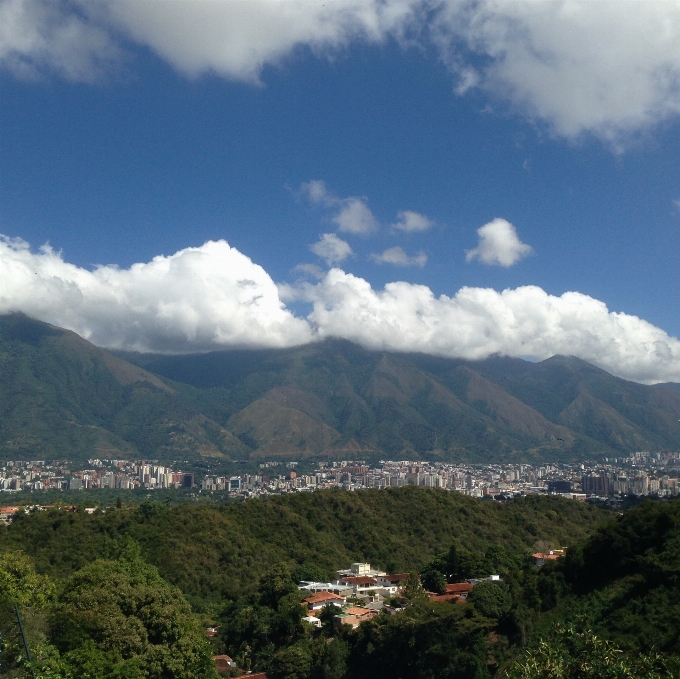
(642, 473)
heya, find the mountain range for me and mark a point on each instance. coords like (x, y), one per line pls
(63, 397)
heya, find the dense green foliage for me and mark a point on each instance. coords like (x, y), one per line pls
(61, 397)
(124, 610)
(98, 607)
(214, 552)
(627, 578)
(571, 654)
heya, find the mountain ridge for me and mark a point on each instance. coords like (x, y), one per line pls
(60, 396)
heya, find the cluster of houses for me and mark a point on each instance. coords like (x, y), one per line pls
(361, 592)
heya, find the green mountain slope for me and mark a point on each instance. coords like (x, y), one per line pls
(62, 397)
(622, 415)
(625, 579)
(404, 405)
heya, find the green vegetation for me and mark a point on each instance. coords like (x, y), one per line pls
(110, 592)
(220, 552)
(61, 397)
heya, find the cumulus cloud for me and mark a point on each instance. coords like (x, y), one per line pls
(352, 214)
(400, 258)
(316, 192)
(197, 299)
(310, 270)
(214, 297)
(476, 323)
(410, 221)
(355, 217)
(235, 38)
(331, 249)
(499, 245)
(37, 36)
(596, 67)
(579, 66)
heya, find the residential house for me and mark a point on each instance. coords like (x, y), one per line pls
(360, 569)
(358, 583)
(354, 617)
(317, 601)
(312, 620)
(7, 514)
(541, 558)
(223, 663)
(461, 589)
(392, 583)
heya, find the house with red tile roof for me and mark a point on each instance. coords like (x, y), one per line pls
(353, 616)
(223, 663)
(392, 583)
(446, 597)
(7, 513)
(358, 583)
(461, 589)
(318, 600)
(540, 558)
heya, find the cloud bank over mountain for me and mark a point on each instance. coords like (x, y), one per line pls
(593, 67)
(214, 297)
(195, 300)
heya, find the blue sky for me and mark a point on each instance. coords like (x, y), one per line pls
(136, 148)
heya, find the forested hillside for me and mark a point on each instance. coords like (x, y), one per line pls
(60, 396)
(213, 552)
(106, 594)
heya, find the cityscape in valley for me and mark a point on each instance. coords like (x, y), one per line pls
(643, 473)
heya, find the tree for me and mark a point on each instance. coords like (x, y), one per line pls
(276, 584)
(293, 662)
(20, 584)
(491, 598)
(570, 654)
(123, 614)
(433, 581)
(413, 591)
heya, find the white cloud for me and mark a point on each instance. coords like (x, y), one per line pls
(197, 299)
(37, 36)
(608, 68)
(477, 322)
(310, 270)
(213, 297)
(602, 67)
(331, 249)
(352, 214)
(498, 245)
(400, 258)
(412, 221)
(316, 192)
(355, 217)
(235, 38)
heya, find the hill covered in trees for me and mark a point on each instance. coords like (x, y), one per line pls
(62, 397)
(88, 580)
